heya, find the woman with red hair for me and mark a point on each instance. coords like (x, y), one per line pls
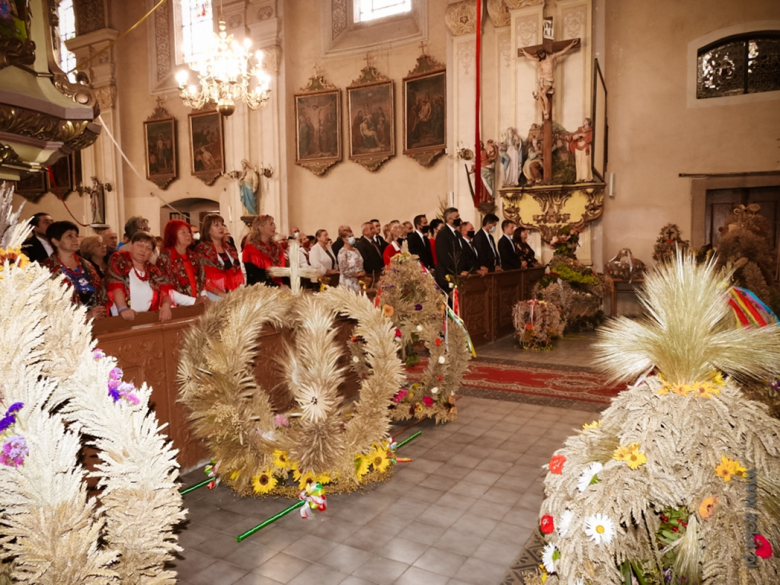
(176, 262)
(219, 260)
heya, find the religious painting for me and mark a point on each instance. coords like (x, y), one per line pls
(599, 125)
(425, 111)
(207, 151)
(370, 108)
(66, 173)
(160, 144)
(318, 126)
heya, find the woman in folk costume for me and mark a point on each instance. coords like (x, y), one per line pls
(397, 235)
(177, 263)
(134, 284)
(261, 252)
(219, 260)
(88, 289)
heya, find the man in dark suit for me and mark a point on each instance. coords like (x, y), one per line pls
(418, 241)
(372, 257)
(339, 243)
(506, 247)
(486, 245)
(377, 238)
(449, 250)
(471, 259)
(37, 247)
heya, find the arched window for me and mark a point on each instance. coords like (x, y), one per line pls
(738, 65)
(67, 31)
(367, 10)
(195, 29)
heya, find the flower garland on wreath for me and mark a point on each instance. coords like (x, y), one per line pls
(56, 390)
(678, 481)
(409, 296)
(537, 324)
(258, 451)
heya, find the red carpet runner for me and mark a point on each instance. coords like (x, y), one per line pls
(580, 385)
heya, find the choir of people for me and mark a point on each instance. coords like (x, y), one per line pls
(143, 273)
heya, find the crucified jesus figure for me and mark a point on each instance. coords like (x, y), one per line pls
(546, 72)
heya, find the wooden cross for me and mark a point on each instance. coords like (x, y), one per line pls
(295, 271)
(422, 47)
(545, 56)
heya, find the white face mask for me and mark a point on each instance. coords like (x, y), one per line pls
(296, 234)
(492, 228)
(351, 240)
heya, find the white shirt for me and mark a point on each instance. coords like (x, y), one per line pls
(46, 245)
(141, 294)
(320, 260)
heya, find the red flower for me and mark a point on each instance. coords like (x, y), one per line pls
(556, 464)
(763, 547)
(438, 342)
(547, 525)
(398, 333)
(428, 401)
(529, 326)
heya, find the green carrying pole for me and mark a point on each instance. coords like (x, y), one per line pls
(192, 488)
(299, 503)
(272, 519)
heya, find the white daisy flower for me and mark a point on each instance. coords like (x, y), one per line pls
(599, 528)
(442, 359)
(550, 554)
(435, 390)
(419, 328)
(564, 521)
(355, 359)
(588, 476)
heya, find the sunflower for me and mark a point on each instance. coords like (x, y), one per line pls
(631, 455)
(264, 482)
(324, 478)
(378, 458)
(594, 425)
(362, 464)
(306, 479)
(728, 468)
(281, 461)
(295, 471)
(599, 528)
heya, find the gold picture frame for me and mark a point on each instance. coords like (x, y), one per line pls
(207, 145)
(160, 148)
(317, 148)
(425, 111)
(371, 115)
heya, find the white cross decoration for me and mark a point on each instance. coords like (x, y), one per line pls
(295, 271)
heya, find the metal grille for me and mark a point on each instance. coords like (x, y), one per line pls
(737, 66)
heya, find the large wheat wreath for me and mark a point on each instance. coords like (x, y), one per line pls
(55, 389)
(254, 448)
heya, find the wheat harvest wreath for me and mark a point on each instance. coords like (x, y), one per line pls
(258, 451)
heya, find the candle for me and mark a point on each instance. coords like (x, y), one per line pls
(230, 213)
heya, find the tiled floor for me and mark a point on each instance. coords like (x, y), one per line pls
(458, 513)
(573, 349)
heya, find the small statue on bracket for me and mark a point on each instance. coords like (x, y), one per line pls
(511, 150)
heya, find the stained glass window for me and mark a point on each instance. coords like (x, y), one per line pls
(739, 65)
(366, 10)
(67, 31)
(197, 28)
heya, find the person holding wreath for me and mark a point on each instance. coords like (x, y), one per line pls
(218, 259)
(178, 265)
(134, 284)
(261, 252)
(88, 290)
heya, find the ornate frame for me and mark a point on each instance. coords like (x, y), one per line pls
(427, 69)
(208, 176)
(369, 79)
(315, 90)
(160, 120)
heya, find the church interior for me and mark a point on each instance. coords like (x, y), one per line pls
(390, 292)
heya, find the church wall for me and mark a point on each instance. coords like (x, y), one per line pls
(653, 132)
(348, 193)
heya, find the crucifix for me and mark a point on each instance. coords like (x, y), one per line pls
(295, 271)
(545, 56)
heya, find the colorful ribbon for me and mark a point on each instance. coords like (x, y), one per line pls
(314, 496)
(460, 323)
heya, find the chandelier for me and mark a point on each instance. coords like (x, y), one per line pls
(225, 72)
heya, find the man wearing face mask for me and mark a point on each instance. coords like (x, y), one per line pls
(486, 245)
(449, 249)
(418, 241)
(471, 259)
